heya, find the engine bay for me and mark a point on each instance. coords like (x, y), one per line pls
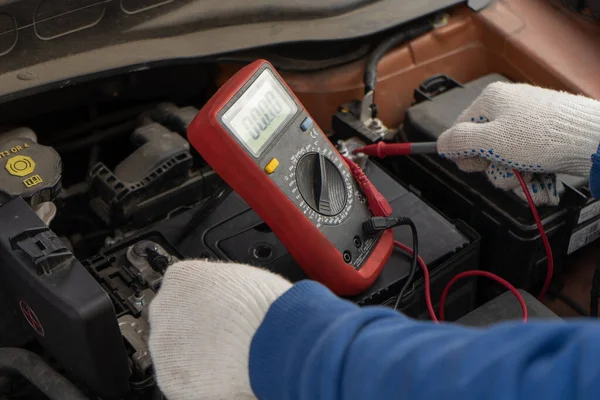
(101, 191)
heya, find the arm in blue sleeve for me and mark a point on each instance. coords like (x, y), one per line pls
(595, 175)
(314, 346)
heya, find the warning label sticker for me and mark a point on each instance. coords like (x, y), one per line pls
(584, 236)
(589, 212)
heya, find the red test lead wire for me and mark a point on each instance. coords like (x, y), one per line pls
(378, 204)
(423, 266)
(540, 226)
(380, 207)
(446, 291)
(382, 150)
(490, 275)
(484, 274)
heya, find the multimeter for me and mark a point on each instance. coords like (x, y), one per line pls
(258, 137)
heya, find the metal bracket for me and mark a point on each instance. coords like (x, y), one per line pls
(368, 115)
(137, 331)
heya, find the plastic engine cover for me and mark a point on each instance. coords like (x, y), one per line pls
(71, 315)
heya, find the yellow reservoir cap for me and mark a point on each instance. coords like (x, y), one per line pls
(272, 166)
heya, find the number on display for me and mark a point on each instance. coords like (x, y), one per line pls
(262, 115)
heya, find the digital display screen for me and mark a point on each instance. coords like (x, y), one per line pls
(260, 113)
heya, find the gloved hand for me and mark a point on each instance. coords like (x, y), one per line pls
(202, 322)
(537, 131)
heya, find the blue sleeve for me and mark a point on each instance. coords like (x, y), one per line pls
(595, 175)
(314, 346)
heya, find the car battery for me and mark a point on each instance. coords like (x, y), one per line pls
(234, 232)
(511, 242)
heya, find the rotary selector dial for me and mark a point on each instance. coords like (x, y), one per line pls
(322, 185)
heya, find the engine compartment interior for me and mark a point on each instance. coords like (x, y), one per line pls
(102, 191)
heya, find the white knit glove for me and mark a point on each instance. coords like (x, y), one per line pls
(537, 131)
(202, 322)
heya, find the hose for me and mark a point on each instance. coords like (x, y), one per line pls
(31, 367)
(96, 137)
(409, 33)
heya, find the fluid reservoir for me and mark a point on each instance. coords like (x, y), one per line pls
(28, 169)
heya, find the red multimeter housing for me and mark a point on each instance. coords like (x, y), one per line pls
(258, 137)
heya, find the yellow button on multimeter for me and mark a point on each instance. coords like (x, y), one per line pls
(272, 166)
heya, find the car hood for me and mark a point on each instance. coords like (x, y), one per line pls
(58, 42)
